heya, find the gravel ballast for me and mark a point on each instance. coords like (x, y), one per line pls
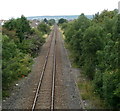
(67, 95)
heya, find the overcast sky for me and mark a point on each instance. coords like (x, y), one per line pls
(15, 8)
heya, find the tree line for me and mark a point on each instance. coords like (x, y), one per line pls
(20, 44)
(95, 45)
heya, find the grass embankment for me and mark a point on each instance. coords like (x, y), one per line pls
(91, 98)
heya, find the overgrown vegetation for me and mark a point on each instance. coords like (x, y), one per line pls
(61, 21)
(96, 47)
(44, 28)
(91, 98)
(20, 44)
(49, 22)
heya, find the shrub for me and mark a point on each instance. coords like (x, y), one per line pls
(44, 28)
(111, 87)
(15, 63)
(95, 45)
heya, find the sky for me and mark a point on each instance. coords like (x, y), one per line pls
(16, 8)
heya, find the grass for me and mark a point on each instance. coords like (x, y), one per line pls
(63, 36)
(5, 94)
(51, 27)
(45, 36)
(88, 94)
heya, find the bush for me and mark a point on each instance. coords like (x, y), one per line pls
(51, 22)
(15, 63)
(111, 87)
(61, 21)
(19, 26)
(20, 45)
(44, 28)
(95, 45)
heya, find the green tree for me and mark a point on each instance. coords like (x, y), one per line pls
(20, 26)
(44, 28)
(14, 63)
(62, 20)
(91, 44)
(51, 22)
(46, 21)
(95, 47)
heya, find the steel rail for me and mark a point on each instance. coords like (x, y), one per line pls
(53, 76)
(42, 75)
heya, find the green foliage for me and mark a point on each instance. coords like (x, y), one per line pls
(61, 21)
(96, 47)
(45, 20)
(20, 45)
(44, 28)
(31, 46)
(27, 40)
(91, 44)
(20, 26)
(51, 22)
(111, 87)
(15, 63)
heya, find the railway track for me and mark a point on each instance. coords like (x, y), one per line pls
(45, 92)
(51, 84)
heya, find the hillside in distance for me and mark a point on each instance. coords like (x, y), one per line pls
(68, 17)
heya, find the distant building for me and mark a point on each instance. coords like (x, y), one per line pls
(34, 23)
(119, 7)
(2, 22)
